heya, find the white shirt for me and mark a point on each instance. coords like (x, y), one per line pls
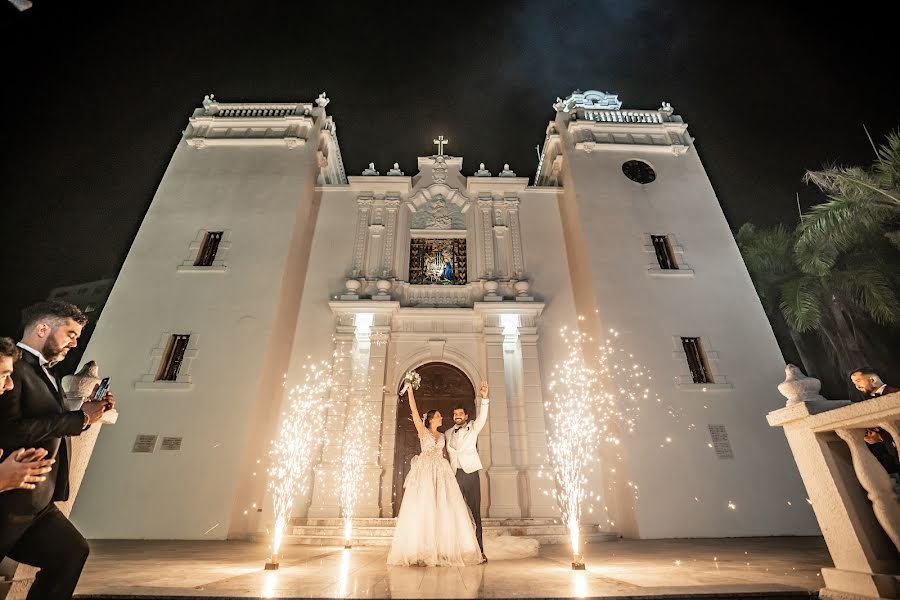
(43, 362)
(461, 443)
(880, 390)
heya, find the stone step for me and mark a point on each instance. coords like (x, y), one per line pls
(338, 540)
(388, 531)
(387, 521)
(379, 531)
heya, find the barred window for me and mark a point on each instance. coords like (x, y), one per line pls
(696, 359)
(662, 245)
(173, 357)
(208, 249)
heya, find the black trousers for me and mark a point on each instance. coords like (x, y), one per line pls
(470, 485)
(49, 542)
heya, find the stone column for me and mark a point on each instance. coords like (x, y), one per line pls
(325, 499)
(374, 261)
(488, 270)
(500, 235)
(502, 475)
(391, 206)
(538, 504)
(389, 402)
(515, 236)
(369, 373)
(364, 206)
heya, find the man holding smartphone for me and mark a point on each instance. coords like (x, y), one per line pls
(33, 414)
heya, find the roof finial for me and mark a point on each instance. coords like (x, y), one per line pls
(440, 141)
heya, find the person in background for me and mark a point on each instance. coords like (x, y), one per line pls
(23, 468)
(882, 446)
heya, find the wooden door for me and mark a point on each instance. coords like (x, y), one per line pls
(443, 387)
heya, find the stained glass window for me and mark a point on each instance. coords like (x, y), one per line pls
(437, 262)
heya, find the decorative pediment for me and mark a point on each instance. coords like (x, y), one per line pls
(438, 207)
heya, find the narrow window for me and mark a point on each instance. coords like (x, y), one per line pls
(664, 254)
(173, 357)
(696, 360)
(208, 249)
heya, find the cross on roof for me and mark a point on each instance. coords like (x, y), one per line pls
(440, 141)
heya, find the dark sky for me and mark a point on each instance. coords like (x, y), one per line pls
(95, 95)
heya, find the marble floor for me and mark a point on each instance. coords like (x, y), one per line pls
(715, 568)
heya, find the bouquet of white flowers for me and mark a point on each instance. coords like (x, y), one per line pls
(413, 379)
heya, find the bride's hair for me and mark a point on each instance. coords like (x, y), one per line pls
(428, 416)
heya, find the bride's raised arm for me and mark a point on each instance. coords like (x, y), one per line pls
(417, 418)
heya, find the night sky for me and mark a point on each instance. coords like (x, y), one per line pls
(95, 95)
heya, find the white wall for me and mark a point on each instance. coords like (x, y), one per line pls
(259, 194)
(718, 304)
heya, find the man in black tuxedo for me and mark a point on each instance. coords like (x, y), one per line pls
(867, 381)
(33, 414)
(880, 442)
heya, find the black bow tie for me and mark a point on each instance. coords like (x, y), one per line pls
(458, 427)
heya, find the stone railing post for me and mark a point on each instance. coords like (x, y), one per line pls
(849, 491)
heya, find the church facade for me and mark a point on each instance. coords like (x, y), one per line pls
(259, 254)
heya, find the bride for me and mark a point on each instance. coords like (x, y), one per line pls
(434, 527)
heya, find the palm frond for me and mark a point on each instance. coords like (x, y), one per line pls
(853, 183)
(837, 226)
(801, 303)
(887, 162)
(870, 285)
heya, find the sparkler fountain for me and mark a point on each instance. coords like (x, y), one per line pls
(293, 451)
(352, 465)
(573, 435)
(588, 406)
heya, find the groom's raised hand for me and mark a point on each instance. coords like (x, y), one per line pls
(484, 389)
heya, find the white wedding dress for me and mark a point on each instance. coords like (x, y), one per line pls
(434, 526)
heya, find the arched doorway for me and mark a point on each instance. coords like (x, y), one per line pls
(443, 387)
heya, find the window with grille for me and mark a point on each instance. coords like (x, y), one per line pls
(208, 249)
(696, 359)
(173, 357)
(662, 245)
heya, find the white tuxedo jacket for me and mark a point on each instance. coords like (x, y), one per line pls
(461, 444)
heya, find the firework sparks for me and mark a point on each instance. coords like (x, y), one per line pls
(298, 439)
(589, 406)
(574, 434)
(352, 466)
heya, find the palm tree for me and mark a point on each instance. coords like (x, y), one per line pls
(863, 203)
(859, 286)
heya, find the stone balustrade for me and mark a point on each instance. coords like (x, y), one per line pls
(439, 295)
(627, 116)
(851, 493)
(259, 111)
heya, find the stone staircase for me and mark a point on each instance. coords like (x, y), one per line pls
(379, 531)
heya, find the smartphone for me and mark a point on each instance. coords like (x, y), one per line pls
(101, 391)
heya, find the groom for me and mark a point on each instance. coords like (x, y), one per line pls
(464, 459)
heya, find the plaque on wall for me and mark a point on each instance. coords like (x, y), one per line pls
(437, 262)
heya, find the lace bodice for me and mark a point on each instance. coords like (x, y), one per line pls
(431, 446)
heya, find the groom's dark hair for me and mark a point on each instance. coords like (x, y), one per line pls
(462, 408)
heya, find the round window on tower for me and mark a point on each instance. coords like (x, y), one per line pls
(639, 171)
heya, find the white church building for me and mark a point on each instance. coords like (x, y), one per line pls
(260, 254)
